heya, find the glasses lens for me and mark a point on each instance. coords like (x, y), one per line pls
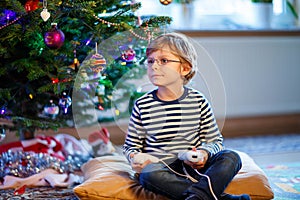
(150, 62)
(164, 61)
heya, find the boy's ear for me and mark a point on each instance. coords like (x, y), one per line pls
(186, 68)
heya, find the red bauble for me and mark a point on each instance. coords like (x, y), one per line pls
(31, 5)
(55, 38)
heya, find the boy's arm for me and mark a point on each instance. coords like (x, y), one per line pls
(212, 141)
(135, 135)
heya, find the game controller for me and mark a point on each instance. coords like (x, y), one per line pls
(140, 158)
(192, 156)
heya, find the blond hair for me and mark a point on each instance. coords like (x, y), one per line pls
(180, 46)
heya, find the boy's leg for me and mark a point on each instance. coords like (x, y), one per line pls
(157, 178)
(220, 169)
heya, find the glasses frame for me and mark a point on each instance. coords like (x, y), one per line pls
(160, 63)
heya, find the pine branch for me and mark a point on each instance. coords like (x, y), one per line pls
(29, 67)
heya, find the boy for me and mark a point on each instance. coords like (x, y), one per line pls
(170, 121)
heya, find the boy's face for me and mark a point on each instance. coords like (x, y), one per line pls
(167, 69)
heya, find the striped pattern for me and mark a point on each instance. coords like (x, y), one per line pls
(164, 128)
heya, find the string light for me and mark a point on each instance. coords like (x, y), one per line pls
(3, 111)
(96, 17)
(131, 31)
(12, 22)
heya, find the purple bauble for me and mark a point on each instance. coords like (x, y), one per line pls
(55, 38)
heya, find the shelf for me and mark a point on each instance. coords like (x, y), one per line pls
(241, 33)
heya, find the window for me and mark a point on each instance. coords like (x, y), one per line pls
(221, 15)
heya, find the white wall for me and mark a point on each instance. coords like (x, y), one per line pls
(261, 75)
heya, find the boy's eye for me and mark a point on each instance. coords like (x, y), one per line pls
(164, 61)
(150, 61)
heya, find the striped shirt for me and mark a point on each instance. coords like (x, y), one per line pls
(163, 128)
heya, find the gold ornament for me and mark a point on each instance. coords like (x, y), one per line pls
(165, 2)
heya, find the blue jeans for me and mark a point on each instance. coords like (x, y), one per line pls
(221, 168)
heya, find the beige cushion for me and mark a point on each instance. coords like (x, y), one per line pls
(251, 180)
(111, 177)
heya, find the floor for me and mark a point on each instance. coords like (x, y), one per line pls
(267, 149)
(278, 158)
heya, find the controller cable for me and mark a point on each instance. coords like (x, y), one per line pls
(191, 178)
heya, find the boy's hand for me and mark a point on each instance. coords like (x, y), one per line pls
(137, 167)
(200, 164)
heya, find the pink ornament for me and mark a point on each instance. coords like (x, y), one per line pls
(51, 110)
(55, 38)
(129, 55)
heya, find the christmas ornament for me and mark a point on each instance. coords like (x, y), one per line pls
(98, 62)
(2, 134)
(100, 91)
(21, 190)
(31, 5)
(54, 38)
(139, 21)
(45, 14)
(55, 80)
(103, 83)
(128, 55)
(100, 107)
(165, 2)
(51, 110)
(65, 102)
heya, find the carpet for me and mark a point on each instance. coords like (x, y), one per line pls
(265, 144)
(284, 177)
(284, 180)
(39, 193)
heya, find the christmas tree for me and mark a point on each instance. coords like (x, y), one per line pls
(54, 51)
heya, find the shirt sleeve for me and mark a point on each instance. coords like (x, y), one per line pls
(135, 134)
(211, 137)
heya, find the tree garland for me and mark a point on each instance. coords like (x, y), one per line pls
(12, 22)
(130, 30)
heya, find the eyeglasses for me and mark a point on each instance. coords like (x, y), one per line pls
(160, 62)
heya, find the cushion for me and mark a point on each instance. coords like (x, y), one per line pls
(111, 177)
(251, 180)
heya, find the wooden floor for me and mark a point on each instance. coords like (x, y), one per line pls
(261, 125)
(233, 127)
